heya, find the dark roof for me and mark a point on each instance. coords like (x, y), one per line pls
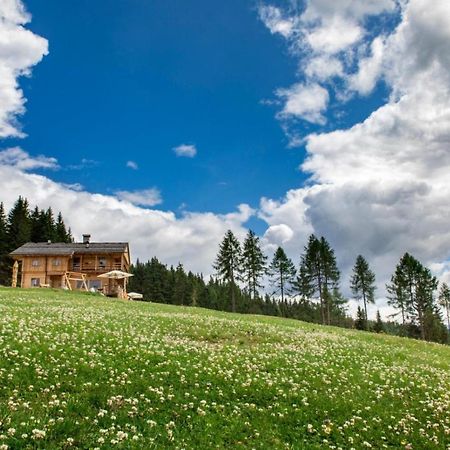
(44, 248)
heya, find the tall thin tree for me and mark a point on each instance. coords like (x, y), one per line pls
(227, 264)
(253, 264)
(362, 282)
(282, 272)
(444, 301)
(318, 274)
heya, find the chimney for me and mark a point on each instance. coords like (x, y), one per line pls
(86, 238)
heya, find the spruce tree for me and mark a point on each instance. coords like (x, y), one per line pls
(378, 327)
(360, 322)
(253, 263)
(362, 282)
(4, 258)
(282, 272)
(227, 264)
(412, 290)
(444, 301)
(61, 232)
(19, 225)
(319, 274)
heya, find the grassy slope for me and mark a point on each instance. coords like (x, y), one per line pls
(92, 372)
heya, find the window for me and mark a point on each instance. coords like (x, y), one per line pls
(102, 263)
(35, 282)
(36, 262)
(56, 262)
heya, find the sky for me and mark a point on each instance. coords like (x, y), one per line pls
(166, 123)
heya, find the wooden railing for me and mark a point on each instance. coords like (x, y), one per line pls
(98, 268)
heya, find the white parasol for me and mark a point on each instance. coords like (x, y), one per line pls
(116, 275)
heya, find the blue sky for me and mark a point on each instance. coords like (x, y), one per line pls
(130, 80)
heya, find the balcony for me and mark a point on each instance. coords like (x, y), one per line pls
(89, 268)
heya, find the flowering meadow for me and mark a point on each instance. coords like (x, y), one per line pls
(82, 371)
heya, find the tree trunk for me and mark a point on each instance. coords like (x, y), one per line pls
(365, 307)
(233, 295)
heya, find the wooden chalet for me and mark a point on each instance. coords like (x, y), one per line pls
(72, 266)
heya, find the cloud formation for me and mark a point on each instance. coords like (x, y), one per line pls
(191, 238)
(132, 165)
(381, 186)
(185, 150)
(143, 197)
(20, 50)
(20, 159)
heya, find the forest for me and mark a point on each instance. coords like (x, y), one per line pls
(246, 281)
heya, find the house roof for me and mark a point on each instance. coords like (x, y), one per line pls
(78, 248)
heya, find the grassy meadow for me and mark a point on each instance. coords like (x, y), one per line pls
(82, 371)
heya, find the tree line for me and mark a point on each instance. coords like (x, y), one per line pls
(21, 225)
(316, 284)
(247, 282)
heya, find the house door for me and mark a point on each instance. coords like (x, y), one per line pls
(56, 281)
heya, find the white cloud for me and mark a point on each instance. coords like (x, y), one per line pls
(381, 187)
(132, 165)
(304, 101)
(274, 20)
(334, 35)
(330, 39)
(20, 159)
(20, 50)
(143, 197)
(188, 151)
(192, 238)
(323, 67)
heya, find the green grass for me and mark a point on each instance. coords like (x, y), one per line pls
(81, 371)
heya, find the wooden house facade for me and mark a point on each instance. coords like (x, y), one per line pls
(71, 266)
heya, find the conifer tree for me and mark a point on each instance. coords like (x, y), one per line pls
(378, 327)
(19, 225)
(227, 264)
(444, 301)
(362, 282)
(253, 264)
(319, 274)
(61, 232)
(282, 272)
(360, 322)
(411, 289)
(4, 259)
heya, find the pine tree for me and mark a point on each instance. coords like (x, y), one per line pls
(4, 259)
(61, 232)
(253, 263)
(319, 274)
(360, 322)
(411, 289)
(362, 282)
(227, 264)
(444, 301)
(282, 272)
(19, 225)
(378, 327)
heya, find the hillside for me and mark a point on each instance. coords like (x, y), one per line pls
(81, 371)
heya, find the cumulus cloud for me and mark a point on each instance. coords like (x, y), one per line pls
(381, 187)
(132, 165)
(330, 40)
(188, 151)
(304, 101)
(192, 238)
(16, 157)
(20, 50)
(143, 197)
